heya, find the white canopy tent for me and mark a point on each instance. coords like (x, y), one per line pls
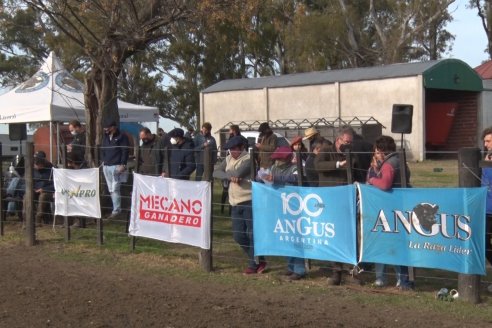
(53, 95)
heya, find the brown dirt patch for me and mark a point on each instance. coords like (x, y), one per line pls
(38, 289)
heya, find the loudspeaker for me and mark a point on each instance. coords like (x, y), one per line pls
(17, 131)
(401, 120)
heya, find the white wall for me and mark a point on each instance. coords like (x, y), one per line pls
(362, 99)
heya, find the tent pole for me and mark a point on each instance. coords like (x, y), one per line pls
(51, 142)
(58, 157)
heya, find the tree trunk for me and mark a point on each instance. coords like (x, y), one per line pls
(101, 107)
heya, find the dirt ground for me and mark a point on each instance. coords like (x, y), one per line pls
(38, 289)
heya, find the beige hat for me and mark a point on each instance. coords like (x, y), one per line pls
(308, 133)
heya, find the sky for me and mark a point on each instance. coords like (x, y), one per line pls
(470, 39)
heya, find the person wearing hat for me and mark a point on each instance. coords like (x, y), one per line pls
(236, 170)
(114, 155)
(284, 172)
(266, 145)
(181, 163)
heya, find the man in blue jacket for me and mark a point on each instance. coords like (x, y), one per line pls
(487, 182)
(181, 161)
(114, 155)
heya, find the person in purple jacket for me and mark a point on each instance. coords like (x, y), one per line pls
(487, 182)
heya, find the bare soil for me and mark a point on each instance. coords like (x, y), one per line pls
(39, 289)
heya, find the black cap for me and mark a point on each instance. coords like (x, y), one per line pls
(40, 154)
(109, 124)
(176, 133)
(263, 127)
(234, 142)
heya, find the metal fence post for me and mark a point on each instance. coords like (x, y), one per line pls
(468, 174)
(205, 255)
(29, 196)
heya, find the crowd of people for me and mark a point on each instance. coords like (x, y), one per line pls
(178, 154)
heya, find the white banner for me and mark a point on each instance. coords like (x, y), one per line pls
(77, 192)
(171, 210)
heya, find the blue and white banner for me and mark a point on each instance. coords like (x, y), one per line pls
(77, 192)
(432, 228)
(313, 223)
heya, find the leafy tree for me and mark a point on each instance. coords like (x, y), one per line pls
(109, 32)
(484, 9)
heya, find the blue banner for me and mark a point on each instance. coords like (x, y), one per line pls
(312, 223)
(442, 228)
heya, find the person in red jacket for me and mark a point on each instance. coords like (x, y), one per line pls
(384, 174)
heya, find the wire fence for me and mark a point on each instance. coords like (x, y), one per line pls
(226, 253)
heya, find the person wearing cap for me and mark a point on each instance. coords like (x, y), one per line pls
(236, 170)
(114, 155)
(43, 187)
(284, 172)
(266, 145)
(202, 141)
(78, 139)
(181, 163)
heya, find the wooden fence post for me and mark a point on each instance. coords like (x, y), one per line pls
(99, 222)
(205, 255)
(29, 196)
(66, 222)
(469, 174)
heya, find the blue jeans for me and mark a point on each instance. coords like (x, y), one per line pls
(114, 186)
(401, 274)
(296, 265)
(242, 230)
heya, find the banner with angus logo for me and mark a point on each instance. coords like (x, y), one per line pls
(77, 192)
(175, 211)
(432, 228)
(313, 223)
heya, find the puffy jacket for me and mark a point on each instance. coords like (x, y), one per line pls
(241, 168)
(181, 160)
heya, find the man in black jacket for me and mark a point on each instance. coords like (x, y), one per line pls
(114, 154)
(77, 146)
(43, 187)
(181, 158)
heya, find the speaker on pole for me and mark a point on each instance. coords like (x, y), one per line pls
(17, 131)
(401, 119)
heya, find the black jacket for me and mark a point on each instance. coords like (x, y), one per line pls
(181, 160)
(151, 157)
